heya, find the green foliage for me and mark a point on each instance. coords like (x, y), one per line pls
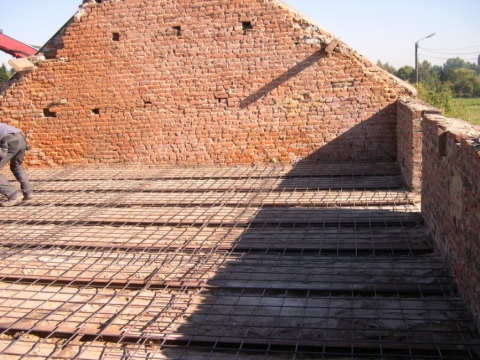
(455, 63)
(462, 81)
(474, 67)
(5, 74)
(442, 98)
(458, 75)
(447, 75)
(406, 73)
(466, 82)
(473, 106)
(387, 67)
(428, 76)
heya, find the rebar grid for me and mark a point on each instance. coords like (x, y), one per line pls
(314, 261)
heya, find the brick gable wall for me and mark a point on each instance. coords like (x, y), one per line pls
(201, 82)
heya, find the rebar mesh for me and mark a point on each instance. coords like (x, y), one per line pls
(313, 261)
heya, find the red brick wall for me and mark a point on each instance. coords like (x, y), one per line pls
(128, 86)
(49, 50)
(451, 199)
(409, 139)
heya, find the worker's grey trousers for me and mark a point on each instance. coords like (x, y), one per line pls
(13, 149)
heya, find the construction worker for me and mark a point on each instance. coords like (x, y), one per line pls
(12, 148)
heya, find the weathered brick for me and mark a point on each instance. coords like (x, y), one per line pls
(154, 85)
(450, 201)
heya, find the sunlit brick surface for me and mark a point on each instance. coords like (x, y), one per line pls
(182, 82)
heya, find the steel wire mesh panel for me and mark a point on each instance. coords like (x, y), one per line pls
(313, 261)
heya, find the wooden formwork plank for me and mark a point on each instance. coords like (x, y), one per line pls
(216, 315)
(319, 169)
(385, 214)
(34, 175)
(316, 238)
(177, 185)
(60, 309)
(142, 172)
(208, 198)
(123, 237)
(155, 270)
(32, 347)
(141, 348)
(169, 238)
(215, 215)
(29, 347)
(37, 348)
(203, 269)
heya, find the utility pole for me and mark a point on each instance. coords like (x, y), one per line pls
(416, 55)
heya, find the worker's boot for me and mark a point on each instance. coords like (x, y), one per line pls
(28, 195)
(17, 199)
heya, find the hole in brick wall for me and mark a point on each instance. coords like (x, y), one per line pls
(115, 36)
(442, 143)
(98, 1)
(177, 30)
(147, 103)
(247, 26)
(96, 111)
(48, 113)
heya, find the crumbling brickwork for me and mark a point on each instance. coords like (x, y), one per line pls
(202, 82)
(49, 50)
(451, 199)
(409, 139)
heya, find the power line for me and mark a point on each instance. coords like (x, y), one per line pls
(438, 52)
(471, 47)
(434, 57)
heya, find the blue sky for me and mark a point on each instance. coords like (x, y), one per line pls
(383, 30)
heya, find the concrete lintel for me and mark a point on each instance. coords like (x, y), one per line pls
(21, 64)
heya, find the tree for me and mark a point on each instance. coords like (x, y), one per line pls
(466, 81)
(474, 67)
(406, 73)
(447, 75)
(4, 75)
(476, 89)
(462, 81)
(428, 76)
(443, 100)
(455, 63)
(387, 67)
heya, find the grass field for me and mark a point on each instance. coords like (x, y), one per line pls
(473, 106)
